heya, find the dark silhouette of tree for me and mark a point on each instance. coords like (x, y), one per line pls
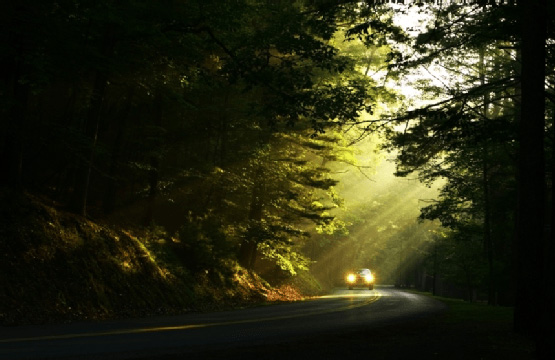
(468, 137)
(532, 314)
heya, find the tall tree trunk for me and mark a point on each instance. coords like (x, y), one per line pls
(549, 295)
(12, 153)
(85, 164)
(532, 315)
(112, 183)
(216, 194)
(436, 267)
(249, 247)
(154, 171)
(15, 94)
(248, 250)
(488, 241)
(153, 180)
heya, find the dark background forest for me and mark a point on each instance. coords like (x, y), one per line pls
(220, 144)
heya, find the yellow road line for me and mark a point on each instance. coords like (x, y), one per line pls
(186, 327)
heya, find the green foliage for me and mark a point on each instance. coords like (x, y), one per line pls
(202, 244)
(286, 257)
(457, 261)
(219, 122)
(467, 134)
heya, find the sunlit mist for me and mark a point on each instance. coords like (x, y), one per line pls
(381, 212)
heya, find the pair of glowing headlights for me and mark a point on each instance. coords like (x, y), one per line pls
(352, 278)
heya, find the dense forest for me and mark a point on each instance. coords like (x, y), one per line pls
(252, 134)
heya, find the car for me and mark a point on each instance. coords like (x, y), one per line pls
(360, 277)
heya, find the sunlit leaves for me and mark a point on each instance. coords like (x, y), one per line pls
(465, 132)
(205, 108)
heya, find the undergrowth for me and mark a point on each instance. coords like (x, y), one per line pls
(59, 267)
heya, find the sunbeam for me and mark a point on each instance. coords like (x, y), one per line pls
(384, 233)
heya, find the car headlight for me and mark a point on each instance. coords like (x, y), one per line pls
(351, 278)
(369, 278)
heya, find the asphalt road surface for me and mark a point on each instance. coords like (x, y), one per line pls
(192, 335)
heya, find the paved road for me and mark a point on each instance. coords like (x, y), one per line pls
(343, 310)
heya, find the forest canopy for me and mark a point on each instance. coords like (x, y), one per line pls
(187, 113)
(231, 125)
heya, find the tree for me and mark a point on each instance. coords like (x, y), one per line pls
(467, 136)
(463, 135)
(532, 314)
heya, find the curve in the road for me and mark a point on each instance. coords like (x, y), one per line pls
(367, 300)
(344, 310)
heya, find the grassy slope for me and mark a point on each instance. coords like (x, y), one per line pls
(58, 267)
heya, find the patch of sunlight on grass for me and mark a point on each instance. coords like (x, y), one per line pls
(146, 253)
